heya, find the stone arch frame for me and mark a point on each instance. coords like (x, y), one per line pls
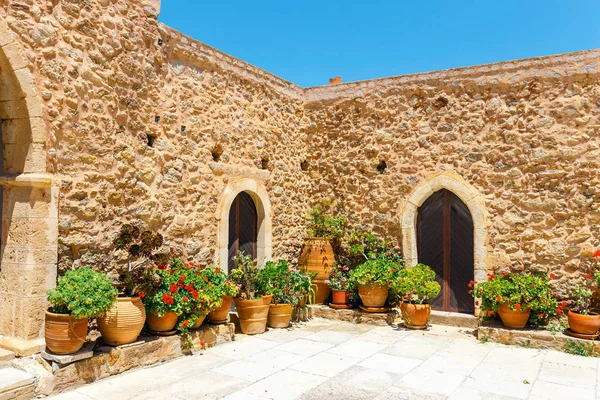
(30, 217)
(468, 194)
(263, 208)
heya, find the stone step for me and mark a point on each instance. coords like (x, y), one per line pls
(6, 358)
(446, 318)
(16, 384)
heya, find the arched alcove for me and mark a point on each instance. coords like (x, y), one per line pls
(259, 196)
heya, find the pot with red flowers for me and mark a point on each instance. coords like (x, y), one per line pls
(518, 297)
(340, 284)
(582, 320)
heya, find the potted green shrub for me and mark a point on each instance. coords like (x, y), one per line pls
(417, 287)
(79, 295)
(341, 286)
(252, 302)
(226, 288)
(373, 279)
(325, 232)
(123, 323)
(288, 287)
(517, 296)
(583, 321)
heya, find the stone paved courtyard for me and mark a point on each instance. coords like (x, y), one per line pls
(325, 359)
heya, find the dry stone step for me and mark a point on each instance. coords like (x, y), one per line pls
(6, 358)
(16, 384)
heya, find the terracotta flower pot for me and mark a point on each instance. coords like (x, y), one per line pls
(219, 315)
(373, 296)
(65, 334)
(318, 256)
(124, 322)
(165, 323)
(279, 316)
(253, 314)
(340, 297)
(516, 319)
(415, 316)
(585, 324)
(199, 322)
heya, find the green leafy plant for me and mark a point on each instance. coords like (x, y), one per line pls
(82, 293)
(417, 284)
(376, 271)
(246, 276)
(364, 245)
(287, 285)
(578, 349)
(339, 278)
(324, 225)
(521, 290)
(582, 298)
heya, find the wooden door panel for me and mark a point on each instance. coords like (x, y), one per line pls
(462, 256)
(243, 228)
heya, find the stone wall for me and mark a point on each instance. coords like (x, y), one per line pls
(523, 134)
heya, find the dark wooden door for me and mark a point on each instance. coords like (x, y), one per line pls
(445, 243)
(243, 225)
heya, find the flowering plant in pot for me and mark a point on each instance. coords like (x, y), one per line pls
(252, 302)
(227, 288)
(417, 286)
(288, 286)
(374, 278)
(79, 295)
(517, 296)
(341, 285)
(581, 319)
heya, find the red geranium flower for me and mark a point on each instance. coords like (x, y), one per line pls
(597, 253)
(185, 323)
(182, 277)
(504, 273)
(168, 299)
(521, 268)
(559, 310)
(470, 292)
(552, 276)
(541, 315)
(142, 295)
(587, 275)
(492, 276)
(162, 267)
(517, 307)
(499, 299)
(185, 299)
(564, 303)
(394, 270)
(218, 271)
(173, 288)
(476, 303)
(194, 294)
(171, 272)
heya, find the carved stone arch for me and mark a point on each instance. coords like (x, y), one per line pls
(263, 208)
(468, 194)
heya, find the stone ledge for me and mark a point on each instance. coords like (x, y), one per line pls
(21, 347)
(530, 337)
(108, 361)
(453, 319)
(354, 315)
(41, 180)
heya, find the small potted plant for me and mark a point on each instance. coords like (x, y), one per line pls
(79, 295)
(226, 289)
(417, 287)
(252, 302)
(123, 323)
(341, 286)
(373, 279)
(517, 296)
(325, 232)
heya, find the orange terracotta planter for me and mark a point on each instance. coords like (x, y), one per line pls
(165, 323)
(199, 322)
(64, 334)
(317, 256)
(584, 324)
(280, 315)
(373, 296)
(253, 314)
(340, 297)
(220, 315)
(513, 318)
(124, 322)
(415, 316)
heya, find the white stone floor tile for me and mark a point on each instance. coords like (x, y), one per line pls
(304, 346)
(285, 385)
(568, 375)
(205, 385)
(71, 396)
(461, 364)
(430, 381)
(389, 363)
(331, 337)
(285, 335)
(463, 393)
(570, 359)
(471, 347)
(366, 380)
(403, 393)
(248, 370)
(510, 356)
(357, 348)
(551, 391)
(325, 364)
(240, 349)
(420, 351)
(502, 380)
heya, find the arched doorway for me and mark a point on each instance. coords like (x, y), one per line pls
(243, 228)
(445, 241)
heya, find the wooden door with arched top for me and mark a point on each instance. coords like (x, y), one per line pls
(445, 242)
(243, 228)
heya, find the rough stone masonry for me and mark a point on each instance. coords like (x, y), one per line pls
(109, 117)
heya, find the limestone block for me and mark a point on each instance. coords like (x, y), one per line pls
(30, 232)
(19, 158)
(23, 280)
(26, 130)
(29, 317)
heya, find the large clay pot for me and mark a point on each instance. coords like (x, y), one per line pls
(220, 315)
(279, 316)
(165, 323)
(65, 334)
(415, 316)
(585, 324)
(340, 297)
(516, 319)
(124, 322)
(373, 296)
(253, 314)
(317, 256)
(199, 322)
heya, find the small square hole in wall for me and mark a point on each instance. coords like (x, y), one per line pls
(150, 140)
(381, 167)
(156, 118)
(304, 165)
(264, 163)
(217, 152)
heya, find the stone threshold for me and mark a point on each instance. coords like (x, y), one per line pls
(534, 338)
(392, 317)
(63, 373)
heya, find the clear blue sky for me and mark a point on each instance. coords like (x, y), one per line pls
(309, 41)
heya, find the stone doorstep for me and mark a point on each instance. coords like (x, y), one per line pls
(12, 380)
(22, 348)
(531, 337)
(59, 361)
(358, 316)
